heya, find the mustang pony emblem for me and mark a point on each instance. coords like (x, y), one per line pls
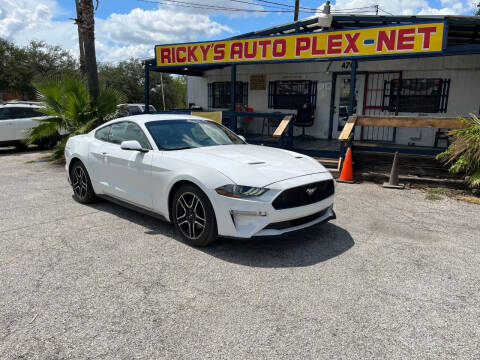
(310, 191)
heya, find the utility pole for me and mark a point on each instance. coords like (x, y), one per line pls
(376, 9)
(297, 6)
(86, 28)
(163, 94)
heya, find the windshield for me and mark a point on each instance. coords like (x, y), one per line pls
(187, 134)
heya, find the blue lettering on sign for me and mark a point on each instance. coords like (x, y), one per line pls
(368, 42)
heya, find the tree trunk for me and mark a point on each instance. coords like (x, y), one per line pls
(83, 70)
(86, 26)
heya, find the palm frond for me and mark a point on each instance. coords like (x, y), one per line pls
(463, 155)
(69, 107)
(43, 130)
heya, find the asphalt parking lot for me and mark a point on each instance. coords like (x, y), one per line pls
(396, 276)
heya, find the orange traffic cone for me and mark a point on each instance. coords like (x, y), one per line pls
(346, 175)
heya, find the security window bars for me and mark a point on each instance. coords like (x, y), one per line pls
(418, 95)
(291, 94)
(219, 94)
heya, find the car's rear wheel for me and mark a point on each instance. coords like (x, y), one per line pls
(193, 216)
(81, 184)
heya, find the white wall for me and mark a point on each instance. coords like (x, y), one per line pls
(464, 72)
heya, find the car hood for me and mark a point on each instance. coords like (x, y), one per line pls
(253, 165)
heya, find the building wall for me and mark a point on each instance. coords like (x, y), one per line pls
(464, 72)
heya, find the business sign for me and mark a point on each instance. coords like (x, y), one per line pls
(367, 42)
(258, 82)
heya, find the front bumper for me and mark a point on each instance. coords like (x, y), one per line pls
(245, 218)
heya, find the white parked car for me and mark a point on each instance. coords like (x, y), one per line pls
(199, 175)
(16, 120)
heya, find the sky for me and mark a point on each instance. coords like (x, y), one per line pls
(130, 28)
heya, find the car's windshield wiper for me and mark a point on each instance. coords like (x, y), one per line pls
(183, 148)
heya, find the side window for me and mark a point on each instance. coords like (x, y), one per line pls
(17, 113)
(31, 113)
(35, 113)
(124, 131)
(102, 134)
(133, 132)
(5, 113)
(117, 133)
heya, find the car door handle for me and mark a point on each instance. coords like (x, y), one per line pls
(104, 153)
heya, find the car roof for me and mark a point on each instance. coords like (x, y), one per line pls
(133, 104)
(20, 105)
(145, 118)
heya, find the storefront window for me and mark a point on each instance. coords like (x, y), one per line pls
(219, 94)
(291, 94)
(419, 95)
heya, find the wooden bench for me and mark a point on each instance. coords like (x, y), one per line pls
(398, 121)
(282, 126)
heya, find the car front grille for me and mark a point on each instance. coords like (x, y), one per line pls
(304, 195)
(296, 222)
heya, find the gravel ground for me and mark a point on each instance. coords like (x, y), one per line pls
(396, 276)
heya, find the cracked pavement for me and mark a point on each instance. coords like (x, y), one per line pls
(395, 276)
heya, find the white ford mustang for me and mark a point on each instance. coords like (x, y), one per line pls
(199, 175)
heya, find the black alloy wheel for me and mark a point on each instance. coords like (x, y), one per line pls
(193, 216)
(82, 187)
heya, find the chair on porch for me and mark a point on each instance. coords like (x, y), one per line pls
(305, 117)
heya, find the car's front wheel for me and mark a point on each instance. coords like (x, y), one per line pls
(193, 216)
(81, 184)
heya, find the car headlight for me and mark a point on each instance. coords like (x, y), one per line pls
(240, 191)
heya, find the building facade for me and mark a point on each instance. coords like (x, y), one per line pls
(426, 86)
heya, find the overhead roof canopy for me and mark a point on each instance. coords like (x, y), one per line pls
(462, 33)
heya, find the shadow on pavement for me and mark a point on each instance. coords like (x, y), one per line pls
(12, 150)
(297, 249)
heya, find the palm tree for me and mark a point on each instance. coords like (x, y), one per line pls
(70, 109)
(463, 155)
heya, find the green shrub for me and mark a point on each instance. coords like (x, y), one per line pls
(463, 155)
(70, 109)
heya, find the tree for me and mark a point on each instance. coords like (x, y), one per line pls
(86, 29)
(71, 110)
(20, 65)
(129, 78)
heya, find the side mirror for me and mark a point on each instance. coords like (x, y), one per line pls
(133, 145)
(242, 137)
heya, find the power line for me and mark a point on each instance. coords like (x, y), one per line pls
(284, 5)
(386, 12)
(275, 5)
(312, 9)
(211, 7)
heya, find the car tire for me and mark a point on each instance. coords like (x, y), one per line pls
(21, 146)
(48, 143)
(81, 184)
(193, 216)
